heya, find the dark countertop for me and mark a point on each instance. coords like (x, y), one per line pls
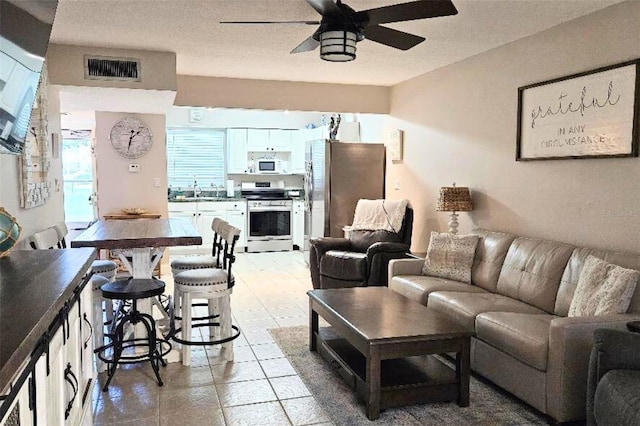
(34, 285)
(205, 199)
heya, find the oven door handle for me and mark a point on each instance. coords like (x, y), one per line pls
(270, 209)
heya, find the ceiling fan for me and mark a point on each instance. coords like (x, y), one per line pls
(342, 27)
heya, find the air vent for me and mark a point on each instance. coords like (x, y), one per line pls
(107, 68)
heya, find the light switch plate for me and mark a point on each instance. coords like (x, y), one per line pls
(134, 168)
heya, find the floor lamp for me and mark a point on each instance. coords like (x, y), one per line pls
(454, 199)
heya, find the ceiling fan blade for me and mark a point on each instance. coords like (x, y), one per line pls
(407, 12)
(271, 22)
(307, 46)
(390, 37)
(325, 7)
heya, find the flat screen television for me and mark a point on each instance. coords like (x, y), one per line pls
(25, 27)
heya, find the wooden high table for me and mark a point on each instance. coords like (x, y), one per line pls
(378, 340)
(146, 239)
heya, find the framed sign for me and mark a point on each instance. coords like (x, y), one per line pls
(586, 115)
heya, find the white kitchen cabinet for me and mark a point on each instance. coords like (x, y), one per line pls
(237, 156)
(20, 413)
(269, 140)
(280, 140)
(59, 375)
(297, 224)
(237, 216)
(298, 142)
(206, 212)
(258, 140)
(202, 214)
(87, 373)
(72, 369)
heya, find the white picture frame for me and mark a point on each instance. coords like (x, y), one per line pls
(395, 145)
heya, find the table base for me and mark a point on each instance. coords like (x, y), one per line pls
(403, 381)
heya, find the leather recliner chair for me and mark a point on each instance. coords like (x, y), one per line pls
(361, 260)
(614, 379)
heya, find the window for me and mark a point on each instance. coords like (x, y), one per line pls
(195, 154)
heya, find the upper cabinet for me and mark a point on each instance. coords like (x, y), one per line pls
(269, 140)
(287, 144)
(298, 142)
(237, 151)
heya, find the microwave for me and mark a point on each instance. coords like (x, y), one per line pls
(271, 165)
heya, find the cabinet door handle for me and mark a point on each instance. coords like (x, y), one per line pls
(86, 342)
(70, 378)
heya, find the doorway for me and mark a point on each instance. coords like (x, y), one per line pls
(78, 176)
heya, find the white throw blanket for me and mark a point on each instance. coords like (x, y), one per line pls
(374, 215)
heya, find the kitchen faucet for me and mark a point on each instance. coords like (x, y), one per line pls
(196, 189)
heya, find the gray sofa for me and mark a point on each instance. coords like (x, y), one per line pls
(517, 304)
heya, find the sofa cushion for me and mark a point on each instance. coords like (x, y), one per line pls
(574, 267)
(345, 265)
(531, 271)
(603, 289)
(450, 256)
(617, 398)
(464, 307)
(523, 336)
(418, 287)
(490, 253)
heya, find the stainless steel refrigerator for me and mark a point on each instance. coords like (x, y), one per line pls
(338, 174)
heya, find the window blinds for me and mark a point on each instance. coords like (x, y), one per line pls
(195, 154)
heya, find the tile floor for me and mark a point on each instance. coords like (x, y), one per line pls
(259, 388)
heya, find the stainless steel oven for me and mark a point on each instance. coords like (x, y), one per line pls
(269, 217)
(269, 225)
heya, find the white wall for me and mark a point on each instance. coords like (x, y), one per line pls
(117, 188)
(222, 118)
(37, 218)
(460, 126)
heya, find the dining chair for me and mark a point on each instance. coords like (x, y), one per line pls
(215, 285)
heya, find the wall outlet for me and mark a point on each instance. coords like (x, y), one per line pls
(396, 185)
(134, 168)
(156, 182)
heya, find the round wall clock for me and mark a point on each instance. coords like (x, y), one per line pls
(131, 137)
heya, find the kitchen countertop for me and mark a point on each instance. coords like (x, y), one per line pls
(34, 286)
(202, 199)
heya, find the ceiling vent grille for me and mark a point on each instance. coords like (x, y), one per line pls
(107, 68)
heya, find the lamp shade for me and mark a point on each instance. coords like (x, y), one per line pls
(454, 199)
(338, 46)
(9, 232)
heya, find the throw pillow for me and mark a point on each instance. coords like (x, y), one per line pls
(450, 256)
(603, 289)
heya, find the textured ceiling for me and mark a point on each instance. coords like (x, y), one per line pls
(204, 47)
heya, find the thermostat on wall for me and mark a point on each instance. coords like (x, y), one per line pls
(134, 168)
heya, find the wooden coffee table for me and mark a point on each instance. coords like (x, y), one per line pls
(378, 340)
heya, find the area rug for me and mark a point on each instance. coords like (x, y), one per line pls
(489, 405)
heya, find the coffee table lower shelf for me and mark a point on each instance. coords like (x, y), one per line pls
(404, 381)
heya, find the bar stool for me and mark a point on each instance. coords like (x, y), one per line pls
(215, 285)
(133, 290)
(201, 262)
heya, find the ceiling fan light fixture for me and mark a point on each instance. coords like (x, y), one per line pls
(338, 45)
